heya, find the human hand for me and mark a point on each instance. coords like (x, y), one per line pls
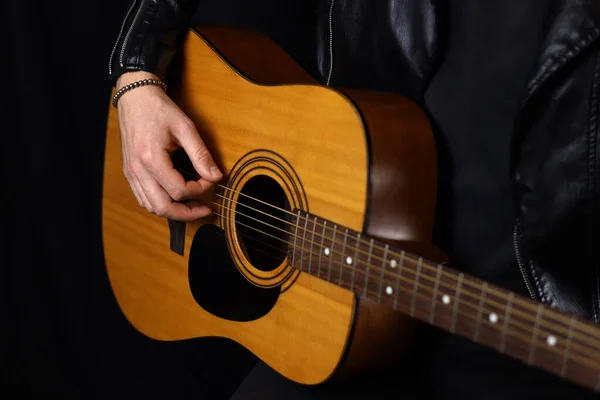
(152, 126)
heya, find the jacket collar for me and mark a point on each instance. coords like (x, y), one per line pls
(573, 26)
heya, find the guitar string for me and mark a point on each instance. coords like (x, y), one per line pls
(270, 255)
(592, 331)
(572, 356)
(550, 313)
(522, 342)
(575, 340)
(556, 349)
(555, 316)
(390, 273)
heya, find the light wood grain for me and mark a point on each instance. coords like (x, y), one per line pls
(334, 153)
(305, 335)
(363, 160)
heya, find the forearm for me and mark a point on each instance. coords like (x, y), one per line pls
(149, 36)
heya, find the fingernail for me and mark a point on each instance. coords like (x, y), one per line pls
(215, 172)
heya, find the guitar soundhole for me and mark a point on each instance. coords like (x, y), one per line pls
(216, 283)
(262, 213)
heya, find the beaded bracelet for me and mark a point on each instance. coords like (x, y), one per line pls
(134, 85)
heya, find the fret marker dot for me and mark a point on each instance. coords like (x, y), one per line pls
(493, 318)
(349, 260)
(389, 290)
(326, 251)
(446, 299)
(393, 263)
(551, 341)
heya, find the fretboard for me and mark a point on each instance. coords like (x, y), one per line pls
(541, 336)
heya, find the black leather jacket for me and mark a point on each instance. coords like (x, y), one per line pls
(556, 145)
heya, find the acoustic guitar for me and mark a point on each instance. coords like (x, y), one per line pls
(318, 258)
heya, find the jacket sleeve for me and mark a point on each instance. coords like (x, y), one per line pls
(149, 35)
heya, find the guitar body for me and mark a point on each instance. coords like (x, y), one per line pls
(364, 160)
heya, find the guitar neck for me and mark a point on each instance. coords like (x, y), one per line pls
(438, 295)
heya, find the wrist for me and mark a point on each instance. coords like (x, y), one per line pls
(136, 83)
(130, 77)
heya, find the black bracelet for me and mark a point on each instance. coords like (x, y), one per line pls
(134, 85)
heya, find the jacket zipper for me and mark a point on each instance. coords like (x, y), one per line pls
(520, 263)
(330, 20)
(112, 54)
(126, 40)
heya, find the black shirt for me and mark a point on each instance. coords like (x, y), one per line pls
(473, 101)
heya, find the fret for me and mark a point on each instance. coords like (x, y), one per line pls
(322, 249)
(435, 293)
(563, 368)
(312, 242)
(402, 255)
(461, 276)
(295, 239)
(332, 253)
(366, 291)
(343, 254)
(385, 255)
(355, 261)
(414, 297)
(550, 349)
(303, 241)
(511, 298)
(540, 310)
(480, 311)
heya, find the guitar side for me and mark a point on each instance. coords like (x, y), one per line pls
(314, 329)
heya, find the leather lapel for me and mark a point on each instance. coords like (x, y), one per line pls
(573, 26)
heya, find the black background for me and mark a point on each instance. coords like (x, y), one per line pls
(62, 333)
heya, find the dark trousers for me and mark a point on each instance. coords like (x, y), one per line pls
(263, 383)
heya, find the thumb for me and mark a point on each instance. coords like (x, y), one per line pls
(201, 159)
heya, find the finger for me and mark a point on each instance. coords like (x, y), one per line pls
(163, 205)
(194, 146)
(195, 204)
(135, 187)
(135, 191)
(162, 169)
(139, 192)
(134, 183)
